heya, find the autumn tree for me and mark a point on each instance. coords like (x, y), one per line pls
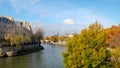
(54, 38)
(115, 57)
(38, 35)
(47, 38)
(113, 42)
(15, 39)
(113, 36)
(87, 49)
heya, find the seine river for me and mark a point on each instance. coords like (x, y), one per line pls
(50, 57)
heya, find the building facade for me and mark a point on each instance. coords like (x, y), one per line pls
(9, 26)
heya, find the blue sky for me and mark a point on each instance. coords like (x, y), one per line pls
(62, 16)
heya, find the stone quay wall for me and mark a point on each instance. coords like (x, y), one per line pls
(5, 51)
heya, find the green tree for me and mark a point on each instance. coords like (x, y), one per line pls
(87, 49)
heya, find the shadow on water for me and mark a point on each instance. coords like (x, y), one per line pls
(50, 57)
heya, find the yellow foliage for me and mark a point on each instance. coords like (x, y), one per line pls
(16, 39)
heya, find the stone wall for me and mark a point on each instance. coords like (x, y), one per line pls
(4, 50)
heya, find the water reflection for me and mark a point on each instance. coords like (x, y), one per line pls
(14, 62)
(50, 57)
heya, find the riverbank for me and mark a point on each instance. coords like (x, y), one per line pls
(30, 50)
(21, 50)
(59, 43)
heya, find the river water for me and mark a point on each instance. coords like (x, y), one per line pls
(50, 57)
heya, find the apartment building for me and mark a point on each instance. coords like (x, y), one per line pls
(9, 26)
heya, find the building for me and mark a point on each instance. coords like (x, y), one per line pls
(5, 26)
(10, 18)
(68, 35)
(23, 24)
(6, 19)
(9, 26)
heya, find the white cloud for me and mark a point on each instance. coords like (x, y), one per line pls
(68, 21)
